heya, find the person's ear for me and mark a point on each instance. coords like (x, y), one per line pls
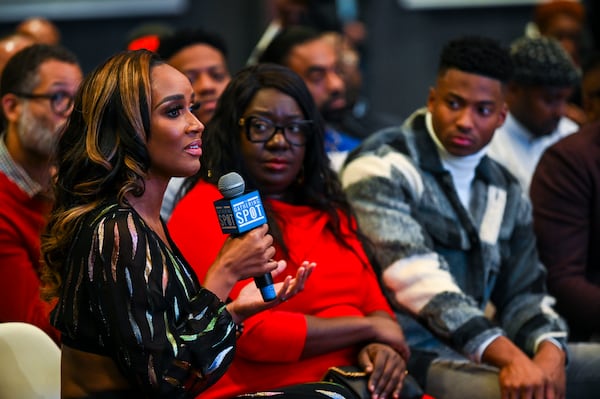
(11, 107)
(431, 99)
(502, 114)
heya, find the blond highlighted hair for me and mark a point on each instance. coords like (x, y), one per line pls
(101, 154)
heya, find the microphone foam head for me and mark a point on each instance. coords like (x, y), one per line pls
(231, 185)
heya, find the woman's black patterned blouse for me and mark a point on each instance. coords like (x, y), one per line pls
(126, 295)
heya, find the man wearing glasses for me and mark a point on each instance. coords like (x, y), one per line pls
(312, 56)
(36, 94)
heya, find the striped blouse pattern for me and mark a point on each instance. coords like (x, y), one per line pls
(128, 296)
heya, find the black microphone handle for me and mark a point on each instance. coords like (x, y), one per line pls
(265, 285)
(264, 280)
(231, 185)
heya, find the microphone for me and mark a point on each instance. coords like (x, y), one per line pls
(239, 212)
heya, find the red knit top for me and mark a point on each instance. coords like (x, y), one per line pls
(21, 222)
(342, 284)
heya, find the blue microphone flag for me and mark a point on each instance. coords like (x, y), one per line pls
(240, 214)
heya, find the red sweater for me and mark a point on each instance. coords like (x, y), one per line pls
(268, 352)
(21, 222)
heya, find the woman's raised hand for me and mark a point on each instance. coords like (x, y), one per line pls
(249, 301)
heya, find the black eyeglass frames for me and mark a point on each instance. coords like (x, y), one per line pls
(262, 130)
(61, 102)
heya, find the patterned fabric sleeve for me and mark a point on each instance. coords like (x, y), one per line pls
(384, 188)
(399, 208)
(524, 308)
(170, 337)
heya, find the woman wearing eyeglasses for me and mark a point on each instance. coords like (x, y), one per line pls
(266, 127)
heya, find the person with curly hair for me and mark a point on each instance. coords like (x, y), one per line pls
(135, 321)
(453, 234)
(202, 57)
(268, 129)
(537, 95)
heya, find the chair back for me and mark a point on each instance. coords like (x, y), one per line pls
(29, 363)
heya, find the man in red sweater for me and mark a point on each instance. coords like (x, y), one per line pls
(36, 96)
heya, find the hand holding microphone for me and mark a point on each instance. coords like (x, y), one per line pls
(240, 212)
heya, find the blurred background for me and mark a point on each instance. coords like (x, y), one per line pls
(400, 50)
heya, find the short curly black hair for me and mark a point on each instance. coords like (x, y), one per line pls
(479, 55)
(278, 51)
(174, 42)
(542, 61)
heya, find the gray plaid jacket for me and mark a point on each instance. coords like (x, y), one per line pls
(441, 263)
